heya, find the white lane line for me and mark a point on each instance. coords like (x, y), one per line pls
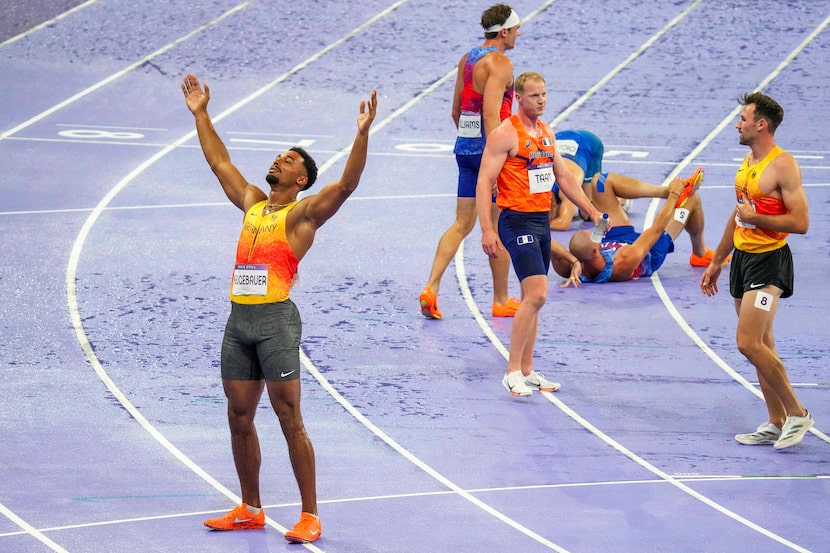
(89, 90)
(31, 530)
(626, 62)
(366, 422)
(409, 495)
(652, 210)
(420, 464)
(47, 23)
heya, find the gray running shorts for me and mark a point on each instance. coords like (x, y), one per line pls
(262, 342)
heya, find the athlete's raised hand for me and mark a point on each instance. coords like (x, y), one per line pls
(368, 110)
(195, 98)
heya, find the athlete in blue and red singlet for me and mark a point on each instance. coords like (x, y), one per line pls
(483, 97)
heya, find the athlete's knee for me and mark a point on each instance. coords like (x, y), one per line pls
(464, 224)
(465, 219)
(749, 345)
(240, 420)
(291, 423)
(535, 295)
(537, 301)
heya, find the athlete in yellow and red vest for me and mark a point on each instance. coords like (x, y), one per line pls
(770, 205)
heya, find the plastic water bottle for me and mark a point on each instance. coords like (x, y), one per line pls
(599, 231)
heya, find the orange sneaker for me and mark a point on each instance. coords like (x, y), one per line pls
(704, 260)
(690, 187)
(429, 303)
(306, 530)
(239, 518)
(507, 309)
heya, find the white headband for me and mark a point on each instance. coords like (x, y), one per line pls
(511, 22)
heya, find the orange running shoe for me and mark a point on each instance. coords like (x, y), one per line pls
(239, 518)
(705, 259)
(506, 309)
(429, 303)
(306, 530)
(690, 187)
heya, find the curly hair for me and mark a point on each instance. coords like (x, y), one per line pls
(310, 166)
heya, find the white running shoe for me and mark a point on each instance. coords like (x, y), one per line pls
(515, 384)
(794, 430)
(766, 434)
(537, 380)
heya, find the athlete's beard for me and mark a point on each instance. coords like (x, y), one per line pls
(272, 179)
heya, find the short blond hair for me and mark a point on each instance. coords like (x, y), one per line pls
(527, 76)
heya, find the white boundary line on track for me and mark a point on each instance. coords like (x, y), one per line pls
(47, 23)
(467, 294)
(100, 84)
(345, 500)
(224, 204)
(627, 61)
(30, 530)
(417, 462)
(652, 210)
(465, 291)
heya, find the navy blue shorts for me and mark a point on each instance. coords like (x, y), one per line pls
(468, 166)
(526, 236)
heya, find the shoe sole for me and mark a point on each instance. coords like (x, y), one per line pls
(427, 312)
(300, 540)
(697, 178)
(517, 394)
(247, 527)
(765, 442)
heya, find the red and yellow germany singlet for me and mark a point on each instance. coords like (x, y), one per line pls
(265, 263)
(526, 180)
(750, 238)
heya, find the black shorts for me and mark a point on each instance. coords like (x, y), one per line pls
(753, 271)
(262, 342)
(526, 237)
